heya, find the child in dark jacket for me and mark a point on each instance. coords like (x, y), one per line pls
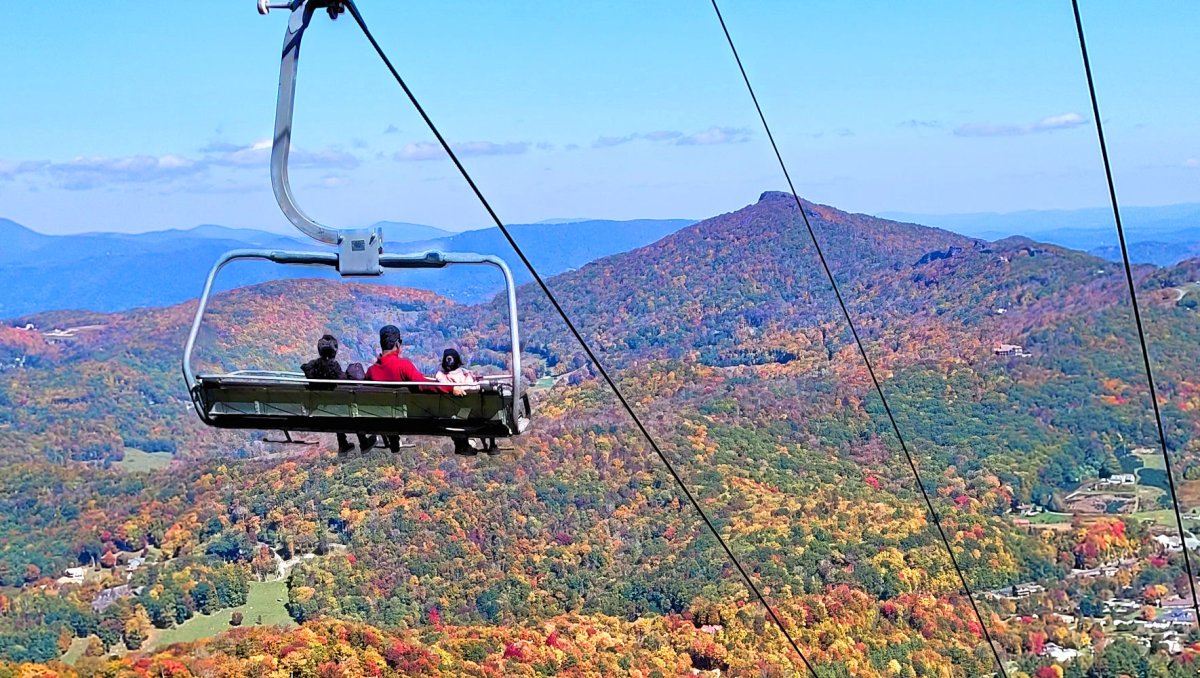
(326, 366)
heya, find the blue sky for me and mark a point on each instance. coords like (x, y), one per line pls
(154, 117)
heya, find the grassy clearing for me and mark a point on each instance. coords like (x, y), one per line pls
(1154, 461)
(266, 599)
(136, 461)
(73, 653)
(1164, 517)
(1049, 518)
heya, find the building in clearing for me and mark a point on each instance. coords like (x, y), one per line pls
(1009, 351)
(73, 575)
(1059, 654)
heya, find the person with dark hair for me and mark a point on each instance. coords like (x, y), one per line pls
(453, 372)
(326, 366)
(391, 367)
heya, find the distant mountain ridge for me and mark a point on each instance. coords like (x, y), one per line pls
(552, 248)
(118, 271)
(403, 231)
(1154, 234)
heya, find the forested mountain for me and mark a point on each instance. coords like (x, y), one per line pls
(1012, 369)
(551, 247)
(119, 271)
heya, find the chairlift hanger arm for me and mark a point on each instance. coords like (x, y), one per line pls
(359, 248)
(301, 14)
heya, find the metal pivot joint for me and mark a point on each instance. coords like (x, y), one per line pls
(358, 249)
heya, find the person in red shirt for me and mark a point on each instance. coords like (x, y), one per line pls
(391, 367)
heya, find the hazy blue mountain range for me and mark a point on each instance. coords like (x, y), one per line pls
(1154, 252)
(403, 231)
(118, 271)
(1154, 233)
(552, 247)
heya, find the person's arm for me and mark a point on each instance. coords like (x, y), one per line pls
(409, 372)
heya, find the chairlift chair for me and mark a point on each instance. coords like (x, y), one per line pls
(497, 407)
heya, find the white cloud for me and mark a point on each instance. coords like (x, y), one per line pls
(606, 142)
(657, 135)
(716, 135)
(1048, 124)
(662, 135)
(710, 136)
(258, 154)
(420, 151)
(426, 150)
(1060, 121)
(1190, 162)
(490, 148)
(82, 173)
(88, 172)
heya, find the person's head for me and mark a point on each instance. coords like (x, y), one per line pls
(389, 338)
(451, 360)
(327, 346)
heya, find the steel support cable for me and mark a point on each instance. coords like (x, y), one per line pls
(1137, 314)
(861, 347)
(578, 336)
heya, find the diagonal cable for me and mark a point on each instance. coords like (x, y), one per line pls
(1137, 314)
(861, 348)
(579, 337)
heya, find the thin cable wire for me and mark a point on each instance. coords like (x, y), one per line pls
(861, 348)
(579, 337)
(1137, 314)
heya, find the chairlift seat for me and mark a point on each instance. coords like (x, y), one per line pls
(279, 400)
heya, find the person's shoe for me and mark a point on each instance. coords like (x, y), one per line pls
(366, 442)
(463, 447)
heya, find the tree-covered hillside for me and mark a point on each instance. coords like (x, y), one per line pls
(728, 341)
